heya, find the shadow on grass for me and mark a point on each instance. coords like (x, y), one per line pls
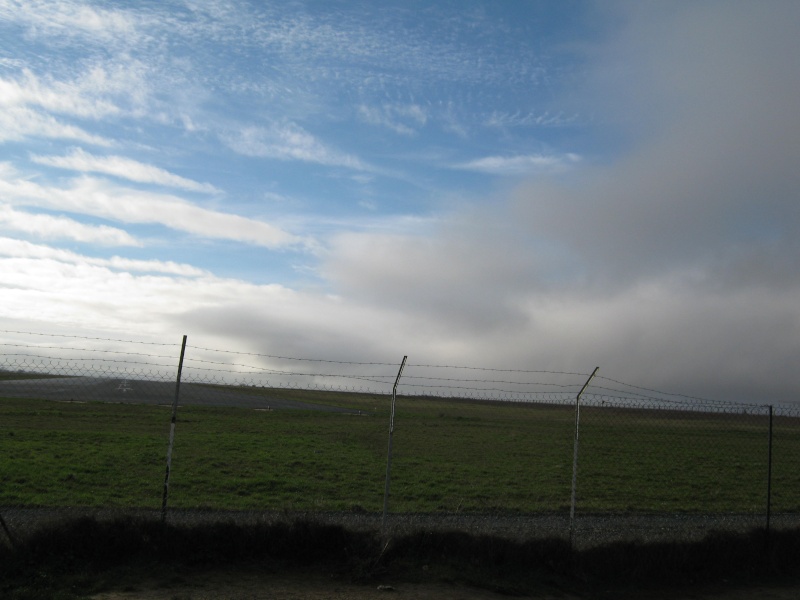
(68, 560)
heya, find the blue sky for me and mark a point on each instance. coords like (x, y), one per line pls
(512, 184)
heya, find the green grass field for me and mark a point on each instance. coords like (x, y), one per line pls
(448, 456)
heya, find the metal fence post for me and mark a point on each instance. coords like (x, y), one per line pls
(172, 432)
(389, 453)
(575, 456)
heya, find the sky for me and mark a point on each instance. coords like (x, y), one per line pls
(548, 184)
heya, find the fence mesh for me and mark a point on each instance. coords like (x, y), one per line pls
(85, 422)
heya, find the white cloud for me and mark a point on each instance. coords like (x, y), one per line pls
(21, 250)
(520, 165)
(83, 97)
(119, 166)
(38, 106)
(58, 287)
(90, 295)
(59, 227)
(18, 123)
(69, 18)
(404, 119)
(288, 142)
(519, 119)
(103, 199)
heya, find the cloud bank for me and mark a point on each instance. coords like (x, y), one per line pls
(674, 264)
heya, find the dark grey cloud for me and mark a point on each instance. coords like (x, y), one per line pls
(675, 262)
(710, 179)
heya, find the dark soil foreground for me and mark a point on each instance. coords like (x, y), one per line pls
(144, 559)
(311, 585)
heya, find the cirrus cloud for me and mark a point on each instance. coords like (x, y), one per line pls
(520, 164)
(126, 168)
(59, 227)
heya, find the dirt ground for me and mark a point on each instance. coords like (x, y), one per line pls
(252, 586)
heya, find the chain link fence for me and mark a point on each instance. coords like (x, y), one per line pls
(96, 424)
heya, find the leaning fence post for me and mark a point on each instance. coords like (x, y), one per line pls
(575, 456)
(7, 532)
(389, 454)
(172, 432)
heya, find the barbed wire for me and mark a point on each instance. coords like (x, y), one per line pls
(326, 375)
(322, 360)
(411, 365)
(104, 351)
(267, 369)
(689, 400)
(82, 337)
(280, 385)
(480, 394)
(129, 362)
(630, 385)
(529, 383)
(467, 388)
(649, 403)
(67, 361)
